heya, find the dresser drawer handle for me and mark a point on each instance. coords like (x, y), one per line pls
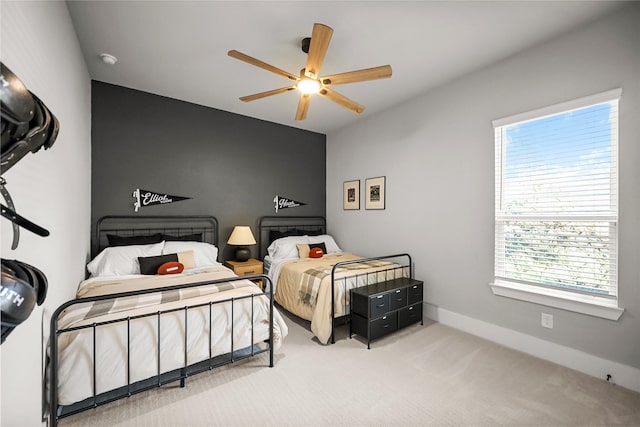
(380, 305)
(379, 296)
(415, 286)
(398, 291)
(410, 308)
(249, 272)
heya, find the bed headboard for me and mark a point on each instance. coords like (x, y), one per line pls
(205, 227)
(272, 227)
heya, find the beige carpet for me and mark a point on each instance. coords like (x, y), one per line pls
(429, 375)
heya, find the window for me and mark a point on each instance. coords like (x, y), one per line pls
(556, 207)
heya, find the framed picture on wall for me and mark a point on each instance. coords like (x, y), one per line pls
(351, 195)
(375, 193)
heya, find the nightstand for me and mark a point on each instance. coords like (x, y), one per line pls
(246, 268)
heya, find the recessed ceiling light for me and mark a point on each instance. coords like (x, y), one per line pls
(108, 59)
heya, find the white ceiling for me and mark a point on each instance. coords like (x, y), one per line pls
(179, 49)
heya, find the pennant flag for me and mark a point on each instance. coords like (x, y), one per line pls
(148, 198)
(283, 203)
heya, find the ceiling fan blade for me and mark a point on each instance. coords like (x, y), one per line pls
(267, 93)
(303, 106)
(320, 38)
(253, 61)
(341, 100)
(374, 73)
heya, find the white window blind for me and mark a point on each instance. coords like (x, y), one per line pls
(556, 196)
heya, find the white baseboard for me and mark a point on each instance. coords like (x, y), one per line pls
(623, 375)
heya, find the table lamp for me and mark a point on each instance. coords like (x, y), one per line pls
(241, 236)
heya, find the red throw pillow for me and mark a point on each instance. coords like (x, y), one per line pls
(171, 267)
(315, 253)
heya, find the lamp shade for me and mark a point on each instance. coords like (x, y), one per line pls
(241, 235)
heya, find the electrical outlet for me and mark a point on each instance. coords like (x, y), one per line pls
(547, 320)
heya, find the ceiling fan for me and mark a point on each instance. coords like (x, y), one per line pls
(309, 81)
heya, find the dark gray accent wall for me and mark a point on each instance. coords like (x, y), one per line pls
(230, 165)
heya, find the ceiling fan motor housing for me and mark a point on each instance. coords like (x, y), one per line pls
(306, 42)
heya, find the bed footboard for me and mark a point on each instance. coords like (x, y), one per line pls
(189, 366)
(400, 265)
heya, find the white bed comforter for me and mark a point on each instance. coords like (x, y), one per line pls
(75, 349)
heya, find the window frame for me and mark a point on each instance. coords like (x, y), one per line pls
(586, 303)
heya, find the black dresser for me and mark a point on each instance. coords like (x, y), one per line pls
(381, 308)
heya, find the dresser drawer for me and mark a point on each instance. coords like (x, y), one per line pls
(378, 305)
(398, 298)
(359, 325)
(384, 325)
(409, 315)
(360, 304)
(414, 294)
(248, 270)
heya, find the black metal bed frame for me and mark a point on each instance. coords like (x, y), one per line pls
(137, 225)
(266, 224)
(283, 224)
(208, 225)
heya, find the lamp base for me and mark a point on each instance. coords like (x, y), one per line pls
(242, 254)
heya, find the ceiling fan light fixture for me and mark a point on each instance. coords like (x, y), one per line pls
(310, 81)
(309, 86)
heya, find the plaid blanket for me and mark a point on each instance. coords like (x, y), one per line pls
(81, 314)
(347, 276)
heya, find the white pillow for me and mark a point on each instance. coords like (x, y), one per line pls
(120, 260)
(203, 253)
(329, 242)
(285, 247)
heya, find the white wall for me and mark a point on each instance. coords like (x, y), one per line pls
(437, 153)
(51, 188)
